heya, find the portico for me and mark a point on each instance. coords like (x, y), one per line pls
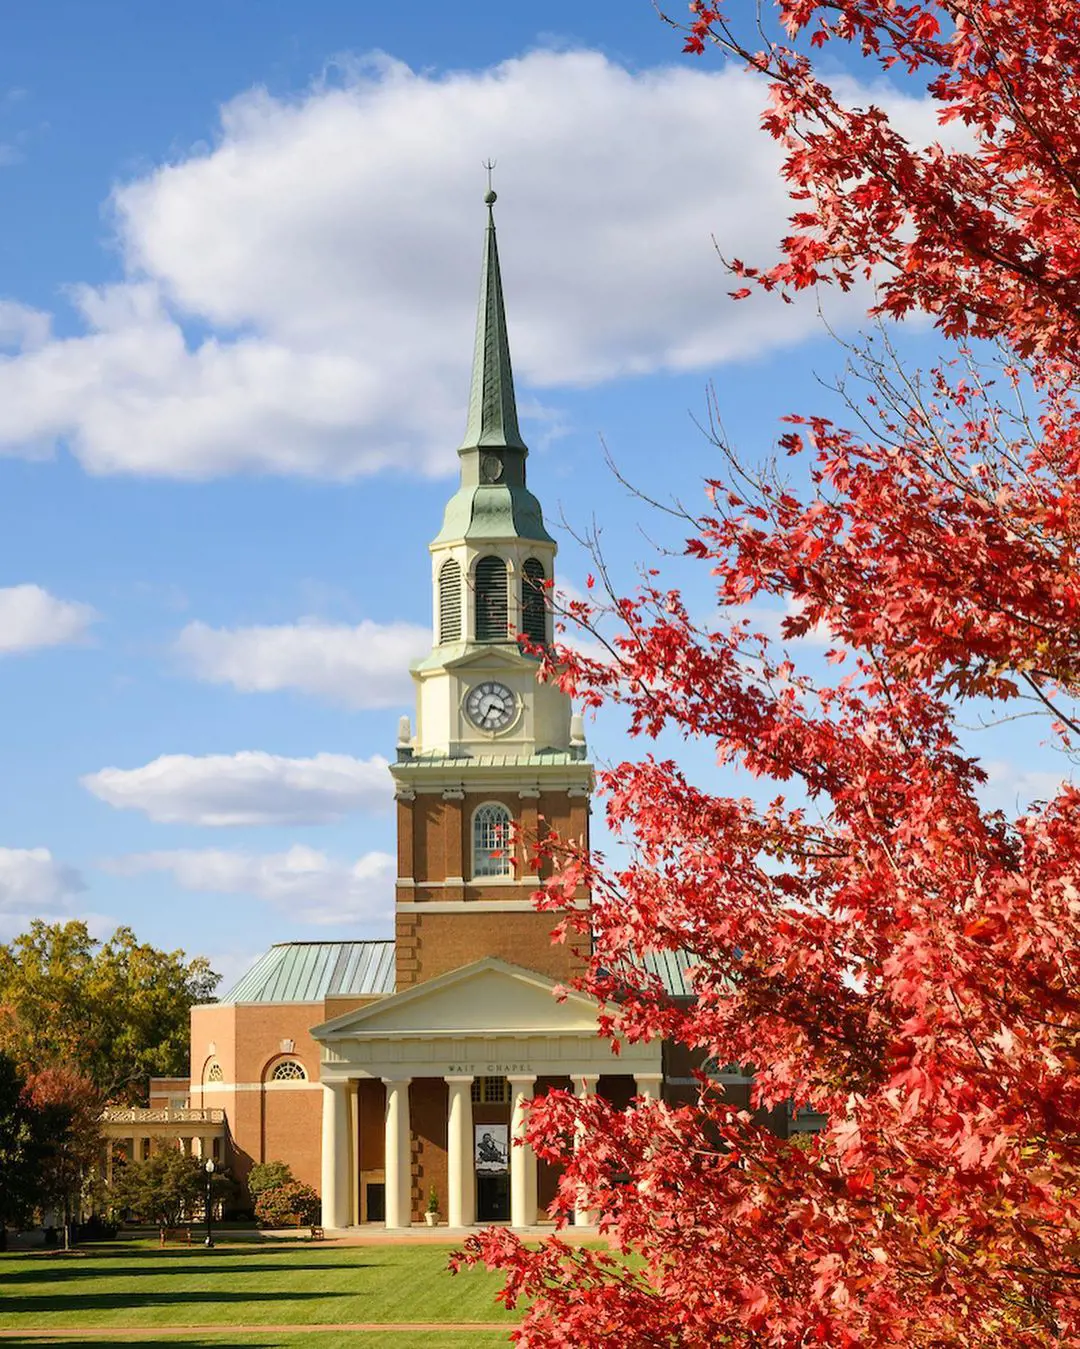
(442, 1051)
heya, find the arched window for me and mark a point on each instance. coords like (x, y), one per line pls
(491, 841)
(288, 1071)
(492, 615)
(533, 603)
(214, 1073)
(450, 601)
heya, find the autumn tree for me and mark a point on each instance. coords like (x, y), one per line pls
(880, 945)
(118, 1010)
(68, 1106)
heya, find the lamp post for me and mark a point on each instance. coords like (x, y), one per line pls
(209, 1169)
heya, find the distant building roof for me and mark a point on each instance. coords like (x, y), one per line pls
(671, 967)
(309, 971)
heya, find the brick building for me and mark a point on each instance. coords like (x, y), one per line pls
(382, 1070)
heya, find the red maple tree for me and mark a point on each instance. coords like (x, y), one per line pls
(876, 942)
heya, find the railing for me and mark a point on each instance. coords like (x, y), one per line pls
(115, 1114)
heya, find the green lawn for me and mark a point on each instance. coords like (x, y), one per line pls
(134, 1284)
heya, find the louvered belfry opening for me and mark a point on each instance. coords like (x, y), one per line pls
(450, 601)
(533, 605)
(492, 613)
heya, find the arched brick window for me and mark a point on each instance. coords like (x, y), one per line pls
(288, 1070)
(492, 854)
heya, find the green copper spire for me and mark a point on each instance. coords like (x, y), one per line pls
(492, 502)
(493, 419)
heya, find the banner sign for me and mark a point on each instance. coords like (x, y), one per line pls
(491, 1149)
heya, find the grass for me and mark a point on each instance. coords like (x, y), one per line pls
(135, 1284)
(385, 1339)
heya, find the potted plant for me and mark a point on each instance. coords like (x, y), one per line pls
(431, 1217)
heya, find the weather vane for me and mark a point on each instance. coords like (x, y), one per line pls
(489, 164)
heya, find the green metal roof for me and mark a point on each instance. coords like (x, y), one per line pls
(309, 971)
(492, 502)
(671, 967)
(493, 419)
(542, 758)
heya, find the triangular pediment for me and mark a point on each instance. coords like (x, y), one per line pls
(507, 656)
(488, 997)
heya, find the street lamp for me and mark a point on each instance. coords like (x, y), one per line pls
(209, 1169)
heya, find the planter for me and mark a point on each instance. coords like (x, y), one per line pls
(432, 1219)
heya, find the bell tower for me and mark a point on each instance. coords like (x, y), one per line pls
(495, 753)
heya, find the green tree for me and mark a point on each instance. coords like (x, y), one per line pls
(163, 1189)
(22, 1148)
(265, 1176)
(116, 1011)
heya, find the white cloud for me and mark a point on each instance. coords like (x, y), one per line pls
(770, 622)
(248, 788)
(33, 883)
(1013, 789)
(30, 618)
(302, 882)
(297, 298)
(361, 666)
(22, 327)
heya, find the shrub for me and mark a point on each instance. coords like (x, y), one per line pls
(274, 1208)
(265, 1176)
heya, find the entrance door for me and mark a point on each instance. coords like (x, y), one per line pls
(493, 1198)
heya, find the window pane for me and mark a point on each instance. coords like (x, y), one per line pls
(491, 842)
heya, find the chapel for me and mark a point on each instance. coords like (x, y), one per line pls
(388, 1072)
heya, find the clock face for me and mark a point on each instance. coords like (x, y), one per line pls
(491, 468)
(490, 706)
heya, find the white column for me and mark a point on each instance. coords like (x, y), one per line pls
(398, 1163)
(522, 1158)
(354, 1152)
(335, 1155)
(584, 1086)
(109, 1143)
(461, 1177)
(648, 1085)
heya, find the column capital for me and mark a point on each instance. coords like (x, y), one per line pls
(397, 1081)
(459, 1077)
(526, 1079)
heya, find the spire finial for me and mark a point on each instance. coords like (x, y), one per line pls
(490, 196)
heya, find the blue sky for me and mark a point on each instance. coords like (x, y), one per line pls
(238, 265)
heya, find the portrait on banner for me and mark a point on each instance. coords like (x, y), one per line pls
(491, 1148)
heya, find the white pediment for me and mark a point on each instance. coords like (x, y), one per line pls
(491, 657)
(487, 998)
